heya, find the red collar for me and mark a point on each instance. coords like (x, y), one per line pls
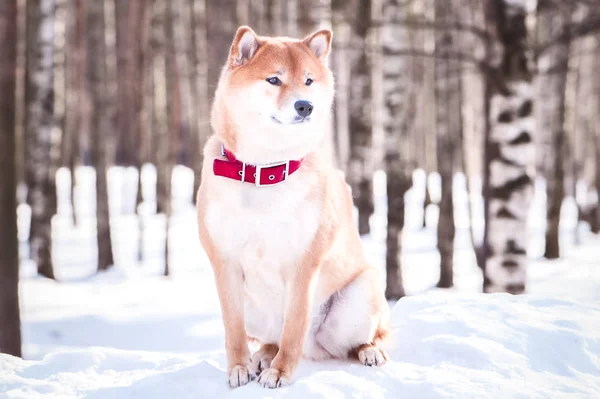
(268, 175)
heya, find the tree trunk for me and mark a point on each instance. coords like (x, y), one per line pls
(200, 80)
(74, 91)
(341, 71)
(96, 70)
(313, 15)
(21, 92)
(164, 162)
(360, 167)
(10, 332)
(508, 147)
(395, 159)
(185, 126)
(222, 23)
(448, 128)
(397, 186)
(596, 214)
(61, 21)
(551, 81)
(128, 18)
(39, 125)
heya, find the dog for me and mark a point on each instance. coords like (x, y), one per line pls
(275, 217)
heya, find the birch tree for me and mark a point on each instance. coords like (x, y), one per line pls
(74, 126)
(129, 18)
(39, 131)
(596, 217)
(448, 130)
(508, 146)
(164, 158)
(10, 332)
(98, 95)
(360, 163)
(200, 80)
(393, 38)
(552, 19)
(313, 15)
(222, 22)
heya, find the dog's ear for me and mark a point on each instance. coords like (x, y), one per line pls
(320, 44)
(244, 46)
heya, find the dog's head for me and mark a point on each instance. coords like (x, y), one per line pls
(274, 96)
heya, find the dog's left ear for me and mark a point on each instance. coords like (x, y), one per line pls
(320, 44)
(244, 46)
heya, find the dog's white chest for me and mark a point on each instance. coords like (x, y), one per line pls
(271, 225)
(265, 231)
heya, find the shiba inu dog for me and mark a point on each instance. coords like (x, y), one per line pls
(275, 217)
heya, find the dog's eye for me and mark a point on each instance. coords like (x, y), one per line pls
(274, 81)
(308, 82)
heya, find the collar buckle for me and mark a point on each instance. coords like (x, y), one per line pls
(259, 169)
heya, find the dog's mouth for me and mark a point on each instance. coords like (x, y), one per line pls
(297, 120)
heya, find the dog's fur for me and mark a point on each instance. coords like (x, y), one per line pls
(287, 259)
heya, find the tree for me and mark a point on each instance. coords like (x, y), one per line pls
(164, 153)
(38, 130)
(596, 217)
(74, 90)
(448, 130)
(222, 22)
(360, 164)
(100, 120)
(553, 64)
(10, 332)
(129, 18)
(509, 133)
(393, 37)
(312, 14)
(201, 93)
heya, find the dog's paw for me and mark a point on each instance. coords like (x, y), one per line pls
(261, 359)
(241, 375)
(372, 356)
(272, 378)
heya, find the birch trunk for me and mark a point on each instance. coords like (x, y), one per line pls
(200, 76)
(39, 130)
(222, 24)
(10, 332)
(341, 71)
(393, 38)
(74, 91)
(96, 79)
(128, 17)
(587, 119)
(551, 85)
(360, 165)
(20, 103)
(313, 15)
(146, 114)
(596, 218)
(164, 164)
(508, 147)
(448, 131)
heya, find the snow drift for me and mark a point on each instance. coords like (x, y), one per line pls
(467, 346)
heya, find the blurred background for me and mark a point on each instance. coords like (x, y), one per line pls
(468, 130)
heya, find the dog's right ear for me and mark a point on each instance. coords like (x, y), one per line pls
(244, 46)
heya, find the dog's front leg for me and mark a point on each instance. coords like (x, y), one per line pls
(230, 287)
(295, 326)
(229, 278)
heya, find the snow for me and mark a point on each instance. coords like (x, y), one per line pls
(131, 333)
(445, 346)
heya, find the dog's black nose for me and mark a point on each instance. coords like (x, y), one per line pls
(303, 108)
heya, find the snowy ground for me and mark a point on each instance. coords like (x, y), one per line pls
(131, 333)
